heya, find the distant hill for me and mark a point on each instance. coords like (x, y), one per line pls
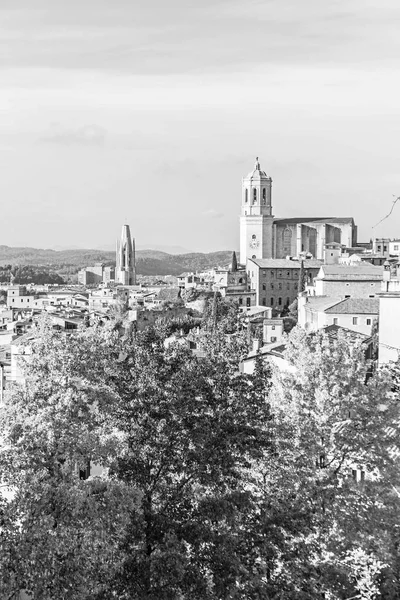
(149, 262)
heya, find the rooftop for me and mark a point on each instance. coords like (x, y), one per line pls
(284, 263)
(316, 220)
(350, 306)
(361, 271)
(257, 173)
(319, 303)
(332, 332)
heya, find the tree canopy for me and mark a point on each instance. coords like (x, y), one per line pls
(137, 469)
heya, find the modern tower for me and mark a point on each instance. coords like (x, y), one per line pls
(256, 220)
(125, 271)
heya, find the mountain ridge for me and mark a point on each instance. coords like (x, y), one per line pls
(148, 262)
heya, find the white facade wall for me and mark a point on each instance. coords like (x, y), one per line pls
(389, 327)
(341, 289)
(356, 322)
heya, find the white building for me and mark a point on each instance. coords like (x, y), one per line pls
(353, 314)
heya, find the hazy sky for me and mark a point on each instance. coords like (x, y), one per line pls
(150, 112)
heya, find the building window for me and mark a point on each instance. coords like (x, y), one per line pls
(247, 301)
(335, 321)
(379, 248)
(254, 256)
(348, 296)
(240, 301)
(264, 196)
(264, 273)
(272, 273)
(385, 248)
(273, 339)
(396, 247)
(273, 327)
(246, 195)
(272, 285)
(254, 196)
(296, 285)
(355, 320)
(279, 286)
(279, 273)
(272, 301)
(279, 301)
(288, 286)
(368, 321)
(253, 237)
(240, 280)
(287, 241)
(264, 301)
(288, 274)
(264, 287)
(287, 302)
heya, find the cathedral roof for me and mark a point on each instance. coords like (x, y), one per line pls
(257, 173)
(293, 220)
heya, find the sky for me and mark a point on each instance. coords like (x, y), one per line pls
(151, 112)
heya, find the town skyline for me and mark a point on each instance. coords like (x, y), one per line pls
(132, 112)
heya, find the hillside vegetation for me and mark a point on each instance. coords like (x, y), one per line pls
(149, 262)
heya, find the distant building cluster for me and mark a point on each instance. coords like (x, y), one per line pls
(308, 270)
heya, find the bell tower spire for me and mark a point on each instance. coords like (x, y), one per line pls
(256, 215)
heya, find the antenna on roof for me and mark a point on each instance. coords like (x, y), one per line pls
(396, 199)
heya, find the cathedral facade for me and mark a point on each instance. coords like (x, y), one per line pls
(264, 236)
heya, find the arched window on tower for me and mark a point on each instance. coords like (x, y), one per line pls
(264, 196)
(246, 195)
(254, 196)
(287, 241)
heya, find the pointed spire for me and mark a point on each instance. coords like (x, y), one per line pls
(234, 263)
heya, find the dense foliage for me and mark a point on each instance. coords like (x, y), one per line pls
(149, 262)
(29, 274)
(205, 482)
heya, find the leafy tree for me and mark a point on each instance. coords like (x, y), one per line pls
(193, 430)
(335, 427)
(60, 532)
(234, 266)
(302, 277)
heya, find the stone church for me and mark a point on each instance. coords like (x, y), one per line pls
(262, 235)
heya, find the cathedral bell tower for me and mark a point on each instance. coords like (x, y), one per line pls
(256, 220)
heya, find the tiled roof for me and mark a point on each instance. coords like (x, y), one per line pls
(354, 306)
(333, 330)
(283, 263)
(318, 303)
(360, 272)
(315, 219)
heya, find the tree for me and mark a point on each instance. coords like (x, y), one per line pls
(60, 530)
(234, 266)
(178, 438)
(302, 277)
(336, 452)
(193, 429)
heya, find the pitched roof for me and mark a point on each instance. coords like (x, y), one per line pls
(333, 330)
(319, 303)
(351, 306)
(315, 219)
(361, 271)
(284, 263)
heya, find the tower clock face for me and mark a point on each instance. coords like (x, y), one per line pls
(254, 243)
